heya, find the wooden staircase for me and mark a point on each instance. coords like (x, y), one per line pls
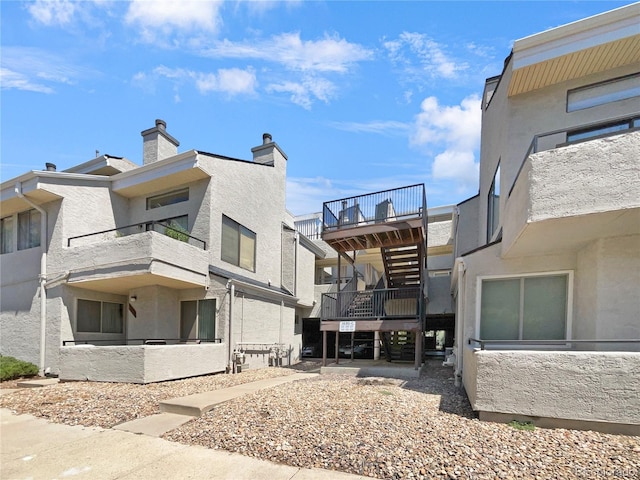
(399, 346)
(402, 265)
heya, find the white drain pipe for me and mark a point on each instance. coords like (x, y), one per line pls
(42, 277)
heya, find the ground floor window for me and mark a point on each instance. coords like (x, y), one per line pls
(524, 308)
(198, 319)
(99, 317)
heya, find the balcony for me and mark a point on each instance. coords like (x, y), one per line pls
(388, 309)
(565, 197)
(389, 218)
(119, 260)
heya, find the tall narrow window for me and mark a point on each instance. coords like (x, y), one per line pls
(28, 229)
(198, 319)
(6, 235)
(493, 205)
(524, 308)
(238, 245)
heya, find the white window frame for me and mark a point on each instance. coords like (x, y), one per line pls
(8, 247)
(124, 318)
(569, 323)
(31, 243)
(492, 234)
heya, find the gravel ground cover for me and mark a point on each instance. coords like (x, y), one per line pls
(108, 404)
(382, 428)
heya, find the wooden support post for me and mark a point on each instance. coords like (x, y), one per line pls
(324, 348)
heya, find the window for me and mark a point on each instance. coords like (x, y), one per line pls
(602, 93)
(606, 129)
(198, 319)
(168, 198)
(238, 245)
(297, 327)
(493, 205)
(99, 317)
(28, 229)
(6, 235)
(525, 308)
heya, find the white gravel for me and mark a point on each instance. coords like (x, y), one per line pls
(382, 428)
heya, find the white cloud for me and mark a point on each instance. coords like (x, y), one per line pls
(455, 132)
(232, 81)
(14, 80)
(382, 127)
(162, 18)
(305, 91)
(329, 54)
(53, 12)
(36, 70)
(420, 56)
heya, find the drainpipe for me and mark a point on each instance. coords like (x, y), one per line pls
(460, 322)
(232, 293)
(43, 275)
(296, 242)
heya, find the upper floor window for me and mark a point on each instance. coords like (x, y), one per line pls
(168, 198)
(604, 129)
(525, 308)
(6, 235)
(28, 229)
(605, 92)
(99, 317)
(238, 244)
(493, 205)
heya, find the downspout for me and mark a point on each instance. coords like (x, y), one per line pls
(43, 275)
(296, 241)
(232, 293)
(459, 323)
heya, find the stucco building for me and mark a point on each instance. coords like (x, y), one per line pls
(547, 274)
(119, 272)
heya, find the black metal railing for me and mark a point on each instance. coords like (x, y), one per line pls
(384, 303)
(561, 138)
(546, 343)
(141, 341)
(160, 227)
(384, 206)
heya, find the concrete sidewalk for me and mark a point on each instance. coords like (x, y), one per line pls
(178, 411)
(33, 448)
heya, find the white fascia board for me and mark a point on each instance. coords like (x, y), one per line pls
(32, 180)
(153, 171)
(264, 292)
(573, 37)
(119, 163)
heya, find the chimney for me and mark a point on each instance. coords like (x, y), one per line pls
(51, 167)
(265, 153)
(157, 144)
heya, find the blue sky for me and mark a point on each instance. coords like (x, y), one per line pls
(362, 96)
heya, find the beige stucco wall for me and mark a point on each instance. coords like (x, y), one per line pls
(140, 364)
(591, 386)
(608, 290)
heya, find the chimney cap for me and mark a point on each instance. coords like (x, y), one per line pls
(266, 138)
(161, 124)
(50, 167)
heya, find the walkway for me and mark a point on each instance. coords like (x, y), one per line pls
(33, 448)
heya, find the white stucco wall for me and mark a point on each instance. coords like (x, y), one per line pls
(589, 386)
(140, 364)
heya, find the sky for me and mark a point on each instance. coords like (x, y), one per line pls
(362, 96)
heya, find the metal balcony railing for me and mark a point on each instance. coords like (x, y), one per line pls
(160, 227)
(569, 343)
(386, 206)
(140, 341)
(379, 304)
